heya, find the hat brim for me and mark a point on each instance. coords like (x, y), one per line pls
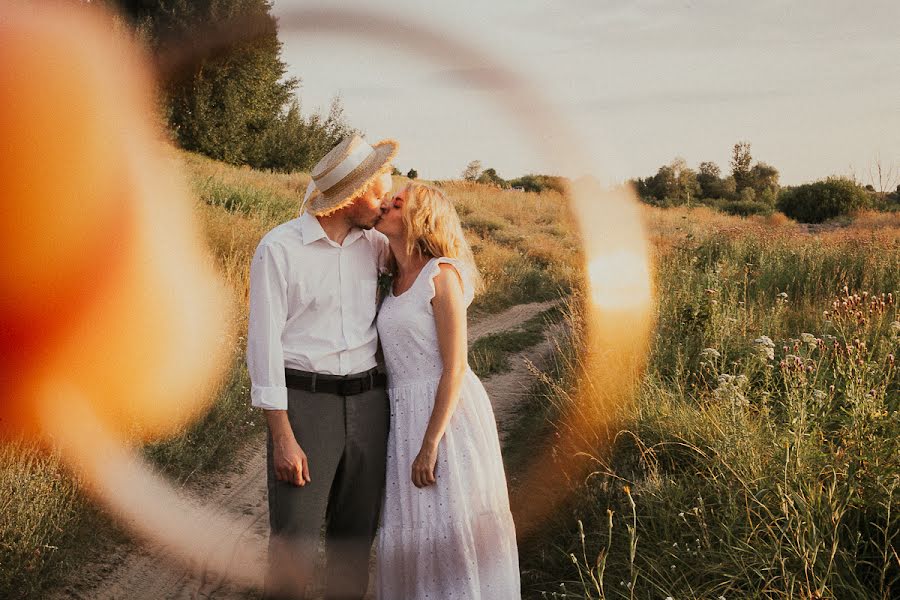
(344, 192)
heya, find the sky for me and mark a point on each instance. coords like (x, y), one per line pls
(814, 86)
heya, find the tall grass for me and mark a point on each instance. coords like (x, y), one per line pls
(761, 458)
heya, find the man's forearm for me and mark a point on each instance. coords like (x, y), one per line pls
(279, 425)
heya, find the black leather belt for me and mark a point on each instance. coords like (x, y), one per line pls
(349, 385)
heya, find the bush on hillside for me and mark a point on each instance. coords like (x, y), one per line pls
(823, 200)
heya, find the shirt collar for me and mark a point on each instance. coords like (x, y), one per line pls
(311, 231)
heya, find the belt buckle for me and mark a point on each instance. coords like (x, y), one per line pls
(351, 387)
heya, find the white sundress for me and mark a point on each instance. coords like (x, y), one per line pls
(455, 538)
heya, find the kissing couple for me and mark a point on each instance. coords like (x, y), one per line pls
(405, 448)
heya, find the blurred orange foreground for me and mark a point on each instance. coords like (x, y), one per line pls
(113, 323)
(104, 287)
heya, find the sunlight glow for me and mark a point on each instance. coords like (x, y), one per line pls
(619, 279)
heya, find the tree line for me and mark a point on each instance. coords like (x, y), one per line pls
(754, 188)
(233, 103)
(474, 172)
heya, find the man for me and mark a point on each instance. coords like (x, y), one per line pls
(311, 354)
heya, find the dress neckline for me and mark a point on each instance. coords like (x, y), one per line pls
(415, 281)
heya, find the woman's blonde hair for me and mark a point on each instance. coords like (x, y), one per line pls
(433, 229)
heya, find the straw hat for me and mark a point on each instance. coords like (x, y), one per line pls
(345, 172)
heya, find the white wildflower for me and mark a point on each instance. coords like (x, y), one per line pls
(765, 347)
(809, 339)
(764, 340)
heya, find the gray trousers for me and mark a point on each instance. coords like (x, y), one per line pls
(345, 440)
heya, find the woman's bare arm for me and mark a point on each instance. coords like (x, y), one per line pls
(450, 320)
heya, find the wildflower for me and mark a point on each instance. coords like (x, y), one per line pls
(765, 347)
(895, 328)
(710, 354)
(809, 339)
(764, 340)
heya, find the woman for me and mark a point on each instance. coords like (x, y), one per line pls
(446, 530)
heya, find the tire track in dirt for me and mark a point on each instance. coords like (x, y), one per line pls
(139, 572)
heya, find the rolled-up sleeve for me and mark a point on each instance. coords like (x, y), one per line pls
(268, 314)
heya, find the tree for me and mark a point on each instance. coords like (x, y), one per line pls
(664, 184)
(823, 200)
(740, 164)
(763, 179)
(298, 142)
(674, 183)
(490, 177)
(396, 172)
(472, 171)
(412, 174)
(710, 180)
(233, 103)
(882, 177)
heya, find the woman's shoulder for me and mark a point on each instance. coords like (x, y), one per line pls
(446, 276)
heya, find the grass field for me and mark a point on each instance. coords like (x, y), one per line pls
(761, 458)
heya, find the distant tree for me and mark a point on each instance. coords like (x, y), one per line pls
(412, 174)
(763, 179)
(740, 164)
(729, 187)
(883, 176)
(490, 177)
(711, 183)
(396, 172)
(688, 188)
(674, 183)
(472, 170)
(823, 200)
(664, 185)
(541, 183)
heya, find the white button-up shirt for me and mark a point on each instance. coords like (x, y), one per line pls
(312, 306)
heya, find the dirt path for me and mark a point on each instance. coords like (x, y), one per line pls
(138, 573)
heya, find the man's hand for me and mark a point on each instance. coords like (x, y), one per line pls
(289, 459)
(423, 466)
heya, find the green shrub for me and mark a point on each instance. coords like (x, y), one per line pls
(823, 200)
(741, 208)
